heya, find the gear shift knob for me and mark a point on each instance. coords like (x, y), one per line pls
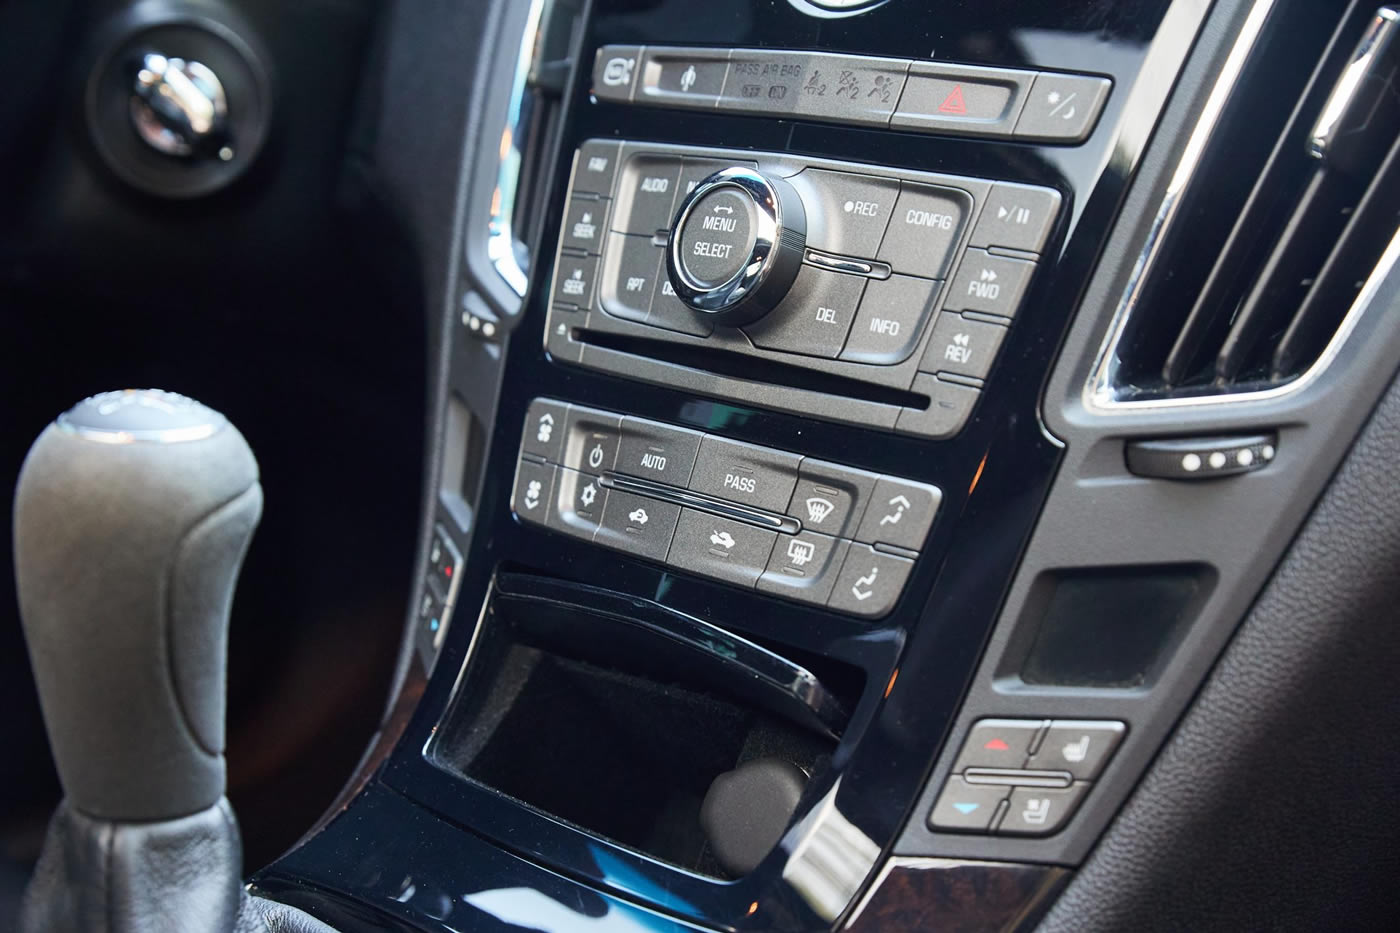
(132, 516)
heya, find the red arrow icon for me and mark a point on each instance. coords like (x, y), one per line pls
(997, 745)
(953, 103)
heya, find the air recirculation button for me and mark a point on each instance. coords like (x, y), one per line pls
(736, 245)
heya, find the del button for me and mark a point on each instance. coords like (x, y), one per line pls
(755, 476)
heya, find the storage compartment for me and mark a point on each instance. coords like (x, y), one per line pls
(617, 716)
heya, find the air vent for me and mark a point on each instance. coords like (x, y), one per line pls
(1286, 216)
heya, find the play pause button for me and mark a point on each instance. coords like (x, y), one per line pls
(967, 807)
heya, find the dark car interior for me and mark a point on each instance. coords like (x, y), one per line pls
(699, 465)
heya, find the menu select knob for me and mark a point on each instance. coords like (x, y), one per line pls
(736, 245)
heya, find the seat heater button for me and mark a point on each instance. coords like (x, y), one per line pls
(870, 582)
(1081, 748)
(1040, 811)
(989, 284)
(966, 807)
(596, 167)
(804, 567)
(657, 451)
(645, 193)
(891, 320)
(1017, 217)
(720, 548)
(815, 316)
(755, 476)
(630, 269)
(846, 214)
(925, 229)
(962, 346)
(637, 525)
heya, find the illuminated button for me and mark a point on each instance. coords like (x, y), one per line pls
(755, 476)
(846, 214)
(965, 100)
(998, 743)
(925, 228)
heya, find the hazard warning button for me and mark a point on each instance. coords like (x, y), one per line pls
(966, 100)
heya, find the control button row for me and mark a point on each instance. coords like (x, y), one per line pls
(439, 586)
(1024, 776)
(857, 528)
(932, 97)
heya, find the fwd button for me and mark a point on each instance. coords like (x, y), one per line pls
(755, 476)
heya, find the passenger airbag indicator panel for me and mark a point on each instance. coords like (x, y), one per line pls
(806, 530)
(909, 281)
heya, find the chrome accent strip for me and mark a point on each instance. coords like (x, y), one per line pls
(1001, 776)
(839, 263)
(500, 243)
(783, 524)
(1098, 395)
(1374, 42)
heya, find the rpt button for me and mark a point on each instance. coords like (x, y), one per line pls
(755, 476)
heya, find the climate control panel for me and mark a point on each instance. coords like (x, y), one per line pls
(815, 532)
(883, 297)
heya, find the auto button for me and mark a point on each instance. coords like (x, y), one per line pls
(657, 451)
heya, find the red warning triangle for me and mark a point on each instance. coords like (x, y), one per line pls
(953, 103)
(997, 745)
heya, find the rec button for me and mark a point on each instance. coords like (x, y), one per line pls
(756, 476)
(846, 214)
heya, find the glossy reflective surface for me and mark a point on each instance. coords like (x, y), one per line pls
(481, 861)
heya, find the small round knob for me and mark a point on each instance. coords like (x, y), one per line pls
(179, 108)
(736, 245)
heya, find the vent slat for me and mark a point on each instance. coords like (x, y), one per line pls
(1373, 224)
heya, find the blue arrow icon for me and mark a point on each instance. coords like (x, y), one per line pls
(965, 808)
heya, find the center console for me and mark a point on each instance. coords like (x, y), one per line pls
(744, 439)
